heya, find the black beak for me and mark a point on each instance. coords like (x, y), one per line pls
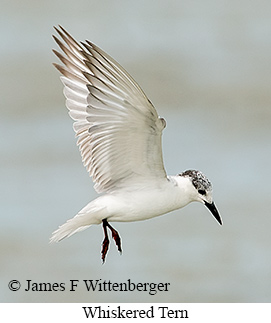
(213, 209)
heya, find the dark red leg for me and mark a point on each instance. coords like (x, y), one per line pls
(105, 241)
(115, 236)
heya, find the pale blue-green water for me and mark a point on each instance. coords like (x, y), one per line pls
(206, 67)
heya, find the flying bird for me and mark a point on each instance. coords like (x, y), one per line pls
(119, 137)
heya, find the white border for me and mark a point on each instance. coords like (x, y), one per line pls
(74, 312)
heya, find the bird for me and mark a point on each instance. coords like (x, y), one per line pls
(119, 135)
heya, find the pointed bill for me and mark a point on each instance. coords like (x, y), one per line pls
(213, 209)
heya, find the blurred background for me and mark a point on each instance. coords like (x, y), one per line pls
(206, 67)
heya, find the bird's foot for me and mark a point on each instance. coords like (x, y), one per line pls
(105, 248)
(115, 236)
(117, 239)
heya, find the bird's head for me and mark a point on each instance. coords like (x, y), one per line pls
(202, 191)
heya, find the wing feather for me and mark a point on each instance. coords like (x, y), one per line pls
(118, 129)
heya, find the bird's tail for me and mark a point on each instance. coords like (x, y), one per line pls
(85, 218)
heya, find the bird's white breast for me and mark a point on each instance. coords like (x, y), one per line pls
(145, 203)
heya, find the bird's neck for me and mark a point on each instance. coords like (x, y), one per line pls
(184, 189)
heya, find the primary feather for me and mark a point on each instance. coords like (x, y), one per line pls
(118, 129)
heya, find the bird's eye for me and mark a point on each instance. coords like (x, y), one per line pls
(202, 192)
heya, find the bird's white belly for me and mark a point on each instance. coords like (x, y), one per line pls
(142, 205)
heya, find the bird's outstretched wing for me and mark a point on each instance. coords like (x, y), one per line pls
(118, 129)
